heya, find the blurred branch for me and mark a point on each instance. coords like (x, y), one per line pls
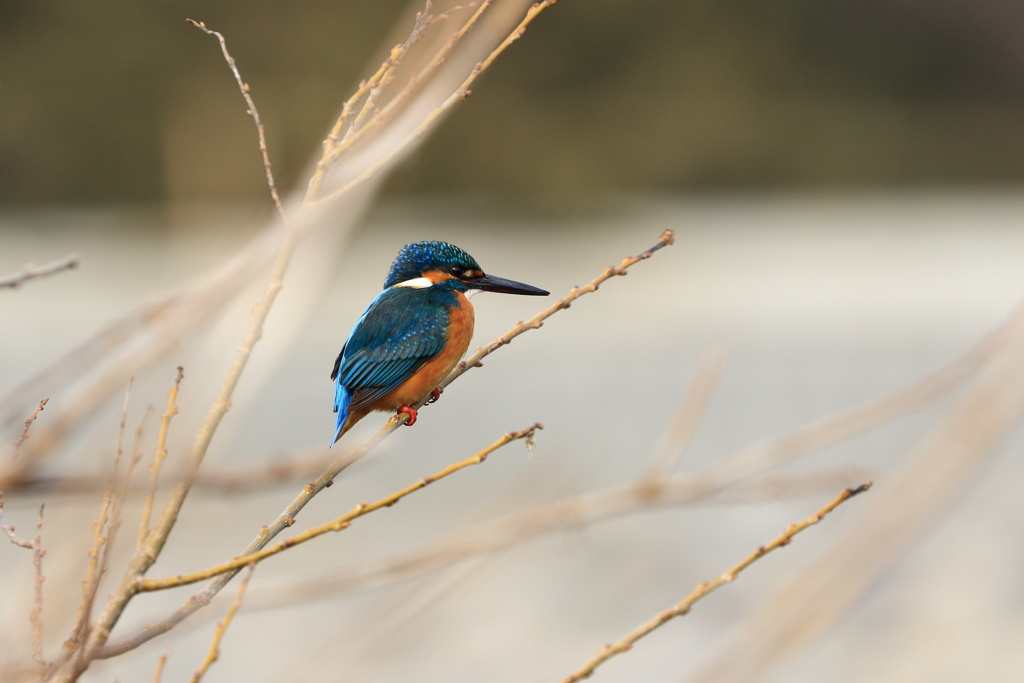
(705, 588)
(461, 93)
(273, 472)
(509, 530)
(335, 145)
(287, 517)
(31, 272)
(340, 523)
(681, 429)
(940, 466)
(841, 425)
(353, 136)
(218, 634)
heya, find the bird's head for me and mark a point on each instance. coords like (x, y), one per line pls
(429, 264)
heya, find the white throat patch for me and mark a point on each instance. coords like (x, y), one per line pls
(416, 283)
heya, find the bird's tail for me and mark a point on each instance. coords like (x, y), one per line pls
(342, 398)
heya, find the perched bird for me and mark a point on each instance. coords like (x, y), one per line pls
(413, 334)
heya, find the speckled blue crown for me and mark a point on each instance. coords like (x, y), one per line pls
(415, 259)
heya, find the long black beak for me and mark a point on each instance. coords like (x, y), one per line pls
(489, 283)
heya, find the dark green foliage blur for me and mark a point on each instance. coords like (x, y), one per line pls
(104, 101)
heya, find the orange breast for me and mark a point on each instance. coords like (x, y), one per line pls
(460, 333)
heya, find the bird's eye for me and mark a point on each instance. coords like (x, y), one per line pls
(456, 271)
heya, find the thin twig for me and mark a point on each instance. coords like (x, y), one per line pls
(36, 614)
(117, 492)
(28, 423)
(218, 634)
(536, 322)
(92, 579)
(244, 88)
(160, 664)
(705, 588)
(122, 490)
(287, 517)
(31, 272)
(9, 528)
(338, 524)
(158, 459)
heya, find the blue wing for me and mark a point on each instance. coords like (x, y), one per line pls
(401, 330)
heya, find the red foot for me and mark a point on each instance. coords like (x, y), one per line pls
(410, 412)
(434, 395)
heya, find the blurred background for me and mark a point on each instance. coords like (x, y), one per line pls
(845, 183)
(126, 103)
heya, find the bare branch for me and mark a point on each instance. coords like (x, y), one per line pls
(218, 634)
(28, 423)
(36, 615)
(705, 588)
(161, 454)
(98, 566)
(31, 272)
(244, 88)
(338, 524)
(160, 664)
(9, 528)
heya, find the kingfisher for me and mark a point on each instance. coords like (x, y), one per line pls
(413, 334)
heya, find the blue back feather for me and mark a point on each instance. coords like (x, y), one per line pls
(400, 331)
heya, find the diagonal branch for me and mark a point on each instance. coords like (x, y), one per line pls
(31, 272)
(28, 424)
(338, 524)
(705, 588)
